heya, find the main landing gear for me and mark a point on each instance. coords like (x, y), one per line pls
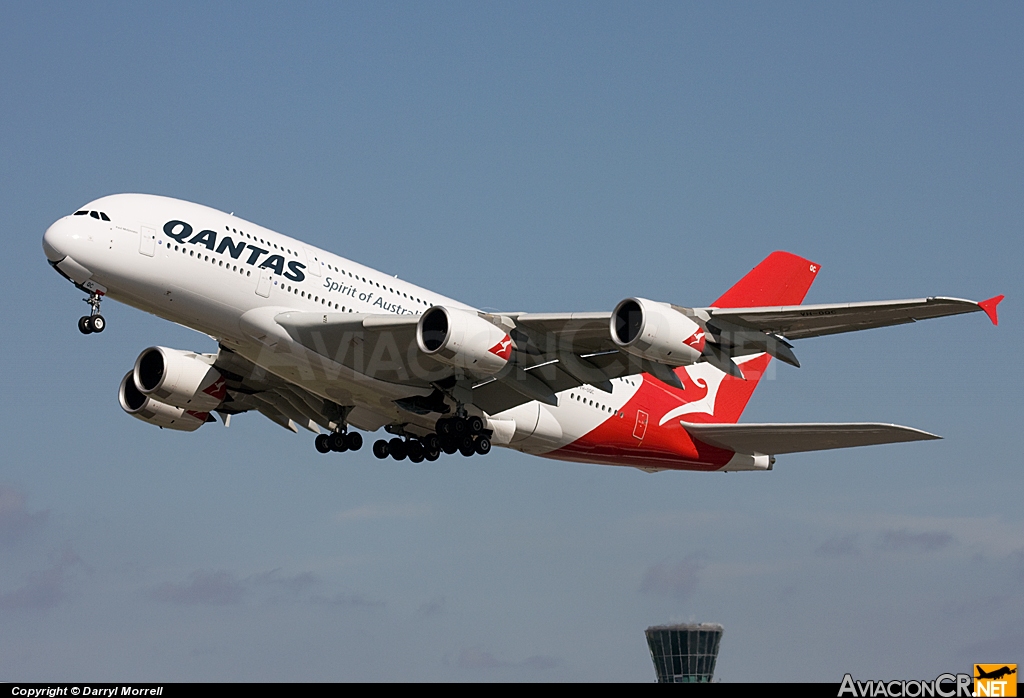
(416, 450)
(465, 435)
(338, 442)
(93, 322)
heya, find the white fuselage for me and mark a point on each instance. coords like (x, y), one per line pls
(230, 281)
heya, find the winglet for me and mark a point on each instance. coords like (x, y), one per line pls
(989, 307)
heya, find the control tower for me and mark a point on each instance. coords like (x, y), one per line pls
(684, 653)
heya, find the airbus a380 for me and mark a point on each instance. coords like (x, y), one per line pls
(312, 340)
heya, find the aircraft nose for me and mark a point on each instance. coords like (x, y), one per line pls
(56, 240)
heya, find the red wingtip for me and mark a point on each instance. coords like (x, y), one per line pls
(989, 307)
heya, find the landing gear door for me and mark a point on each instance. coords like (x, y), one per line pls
(147, 240)
(263, 285)
(312, 262)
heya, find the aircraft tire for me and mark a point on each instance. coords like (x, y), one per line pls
(475, 425)
(432, 454)
(483, 446)
(84, 326)
(380, 448)
(415, 449)
(97, 323)
(337, 442)
(431, 442)
(354, 440)
(397, 448)
(322, 443)
(449, 444)
(467, 447)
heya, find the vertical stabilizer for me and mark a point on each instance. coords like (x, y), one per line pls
(781, 279)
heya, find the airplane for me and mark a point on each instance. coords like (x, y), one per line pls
(996, 674)
(312, 340)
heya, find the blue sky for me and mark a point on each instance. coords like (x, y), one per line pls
(523, 157)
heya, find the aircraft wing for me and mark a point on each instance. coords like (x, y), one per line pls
(774, 439)
(380, 346)
(553, 352)
(251, 388)
(803, 321)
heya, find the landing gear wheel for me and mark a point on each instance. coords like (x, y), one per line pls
(475, 424)
(450, 444)
(444, 426)
(380, 448)
(84, 326)
(397, 448)
(459, 426)
(432, 455)
(97, 323)
(431, 442)
(354, 441)
(337, 442)
(322, 443)
(416, 451)
(483, 445)
(467, 447)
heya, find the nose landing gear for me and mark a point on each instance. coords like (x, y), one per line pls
(93, 322)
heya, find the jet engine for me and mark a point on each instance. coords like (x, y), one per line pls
(656, 332)
(179, 378)
(155, 412)
(463, 339)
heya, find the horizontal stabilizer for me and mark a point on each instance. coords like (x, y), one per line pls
(774, 439)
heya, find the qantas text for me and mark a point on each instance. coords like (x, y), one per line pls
(181, 232)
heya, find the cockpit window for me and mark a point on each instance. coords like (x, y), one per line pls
(98, 215)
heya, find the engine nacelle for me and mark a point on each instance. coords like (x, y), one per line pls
(155, 412)
(179, 378)
(463, 339)
(656, 332)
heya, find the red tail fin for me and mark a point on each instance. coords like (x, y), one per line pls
(781, 279)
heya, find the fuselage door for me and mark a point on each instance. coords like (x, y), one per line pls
(640, 428)
(312, 262)
(147, 240)
(263, 286)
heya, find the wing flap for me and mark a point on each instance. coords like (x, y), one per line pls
(775, 439)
